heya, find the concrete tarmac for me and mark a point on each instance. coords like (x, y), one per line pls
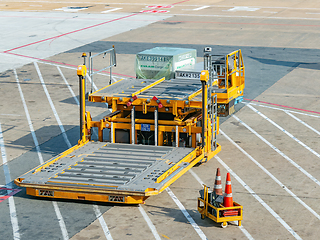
(270, 145)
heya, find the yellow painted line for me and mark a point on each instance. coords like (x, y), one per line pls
(165, 236)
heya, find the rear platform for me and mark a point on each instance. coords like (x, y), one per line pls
(109, 172)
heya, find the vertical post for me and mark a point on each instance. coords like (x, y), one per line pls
(194, 140)
(81, 72)
(90, 70)
(156, 127)
(84, 55)
(204, 107)
(177, 136)
(204, 77)
(112, 133)
(81, 105)
(100, 131)
(226, 71)
(110, 68)
(83, 111)
(133, 126)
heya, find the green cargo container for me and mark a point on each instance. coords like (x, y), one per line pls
(161, 62)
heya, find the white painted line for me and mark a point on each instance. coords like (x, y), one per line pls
(111, 10)
(72, 93)
(243, 16)
(278, 151)
(302, 122)
(8, 114)
(35, 140)
(272, 176)
(12, 207)
(250, 9)
(186, 214)
(61, 221)
(269, 12)
(70, 89)
(266, 206)
(284, 110)
(95, 207)
(102, 222)
(6, 171)
(71, 68)
(200, 8)
(185, 5)
(14, 219)
(283, 130)
(244, 231)
(58, 65)
(71, 9)
(93, 84)
(196, 177)
(52, 106)
(150, 224)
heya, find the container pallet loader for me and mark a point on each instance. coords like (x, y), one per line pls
(159, 129)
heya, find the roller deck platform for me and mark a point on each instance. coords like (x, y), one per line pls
(173, 89)
(107, 168)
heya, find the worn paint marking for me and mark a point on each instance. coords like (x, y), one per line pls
(8, 194)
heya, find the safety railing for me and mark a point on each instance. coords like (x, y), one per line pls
(110, 55)
(235, 64)
(221, 67)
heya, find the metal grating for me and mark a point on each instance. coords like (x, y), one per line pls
(175, 89)
(110, 166)
(114, 164)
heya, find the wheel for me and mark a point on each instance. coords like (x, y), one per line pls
(224, 224)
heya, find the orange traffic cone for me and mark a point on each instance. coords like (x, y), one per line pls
(228, 200)
(217, 184)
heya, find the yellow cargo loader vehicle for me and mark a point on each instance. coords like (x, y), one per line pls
(157, 131)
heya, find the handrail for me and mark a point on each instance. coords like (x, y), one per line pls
(112, 63)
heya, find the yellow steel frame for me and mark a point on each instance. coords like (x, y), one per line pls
(90, 194)
(237, 77)
(118, 121)
(147, 87)
(203, 205)
(95, 194)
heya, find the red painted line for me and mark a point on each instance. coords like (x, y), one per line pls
(160, 6)
(81, 29)
(70, 18)
(63, 64)
(154, 11)
(279, 105)
(209, 22)
(180, 2)
(68, 33)
(14, 192)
